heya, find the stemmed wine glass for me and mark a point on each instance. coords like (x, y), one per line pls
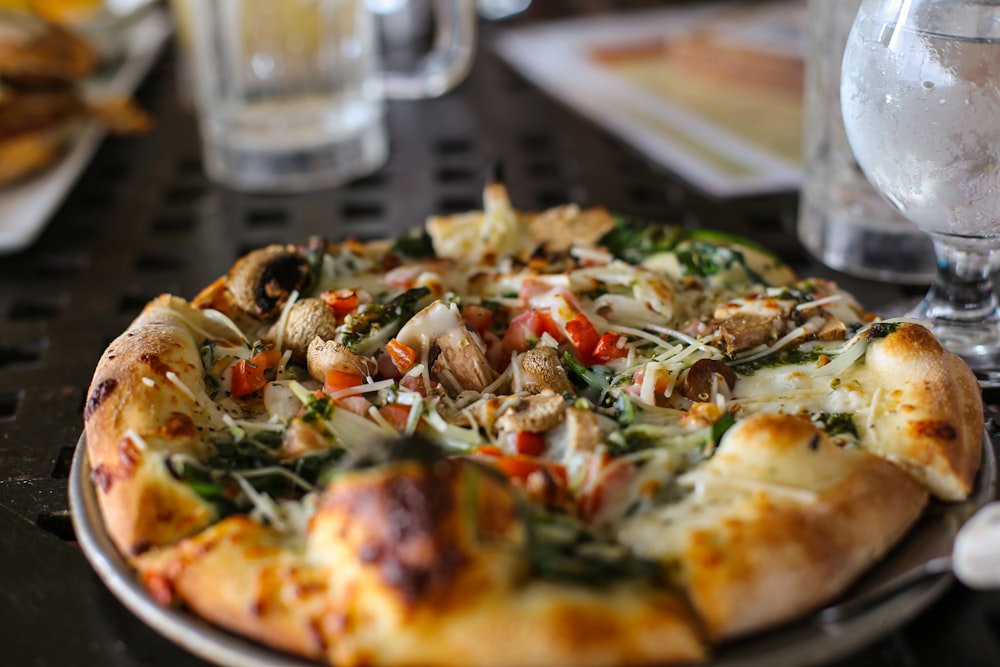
(920, 95)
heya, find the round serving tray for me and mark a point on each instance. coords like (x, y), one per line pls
(807, 642)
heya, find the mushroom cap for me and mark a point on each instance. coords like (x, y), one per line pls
(262, 281)
(541, 368)
(307, 319)
(537, 413)
(328, 355)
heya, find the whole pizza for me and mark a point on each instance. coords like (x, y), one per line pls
(509, 438)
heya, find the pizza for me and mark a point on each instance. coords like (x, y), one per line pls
(508, 438)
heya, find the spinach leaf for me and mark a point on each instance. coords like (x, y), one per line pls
(633, 240)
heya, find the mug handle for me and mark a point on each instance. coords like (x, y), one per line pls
(448, 62)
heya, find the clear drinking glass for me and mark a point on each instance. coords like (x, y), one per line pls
(920, 94)
(842, 221)
(291, 94)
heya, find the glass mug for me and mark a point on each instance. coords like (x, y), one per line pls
(842, 220)
(290, 94)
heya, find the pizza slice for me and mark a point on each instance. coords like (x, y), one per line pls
(891, 389)
(779, 522)
(423, 562)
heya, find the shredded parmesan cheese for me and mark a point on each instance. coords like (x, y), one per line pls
(137, 439)
(365, 388)
(177, 382)
(279, 339)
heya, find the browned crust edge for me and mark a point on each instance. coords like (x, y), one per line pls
(934, 424)
(134, 416)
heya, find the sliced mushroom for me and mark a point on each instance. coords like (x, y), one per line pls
(541, 369)
(700, 379)
(327, 355)
(744, 331)
(261, 281)
(461, 362)
(307, 319)
(832, 329)
(536, 414)
(583, 430)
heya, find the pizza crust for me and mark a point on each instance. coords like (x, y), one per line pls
(147, 400)
(780, 521)
(931, 418)
(412, 564)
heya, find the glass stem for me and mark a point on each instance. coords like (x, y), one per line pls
(963, 291)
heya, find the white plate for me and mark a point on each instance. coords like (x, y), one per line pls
(26, 208)
(805, 643)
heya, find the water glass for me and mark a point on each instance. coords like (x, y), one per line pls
(290, 94)
(842, 220)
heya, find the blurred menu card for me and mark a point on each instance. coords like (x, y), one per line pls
(710, 90)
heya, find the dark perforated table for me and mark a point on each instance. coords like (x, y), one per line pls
(143, 220)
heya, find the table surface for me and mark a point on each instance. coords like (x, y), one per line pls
(143, 220)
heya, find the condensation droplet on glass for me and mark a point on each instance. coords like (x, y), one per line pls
(262, 65)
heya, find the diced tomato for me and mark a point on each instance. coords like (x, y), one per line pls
(480, 317)
(543, 481)
(342, 301)
(248, 374)
(662, 380)
(337, 380)
(488, 450)
(519, 467)
(531, 444)
(403, 356)
(609, 347)
(396, 414)
(525, 330)
(584, 338)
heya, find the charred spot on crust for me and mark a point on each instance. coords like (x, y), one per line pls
(103, 477)
(155, 364)
(407, 536)
(415, 509)
(98, 395)
(939, 430)
(881, 329)
(140, 547)
(178, 425)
